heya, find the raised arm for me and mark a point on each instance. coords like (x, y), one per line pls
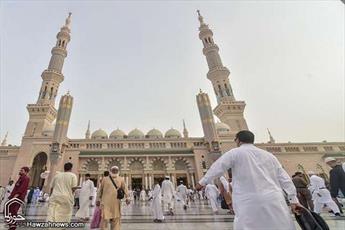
(218, 168)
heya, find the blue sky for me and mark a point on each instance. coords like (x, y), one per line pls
(139, 64)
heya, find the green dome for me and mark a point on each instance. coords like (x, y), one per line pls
(154, 133)
(172, 133)
(99, 134)
(136, 134)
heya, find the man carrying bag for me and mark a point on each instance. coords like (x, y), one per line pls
(111, 191)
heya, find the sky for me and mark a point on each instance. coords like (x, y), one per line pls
(139, 64)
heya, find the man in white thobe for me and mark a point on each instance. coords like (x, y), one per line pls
(212, 193)
(142, 195)
(61, 198)
(182, 194)
(168, 195)
(8, 190)
(320, 195)
(85, 197)
(258, 181)
(156, 204)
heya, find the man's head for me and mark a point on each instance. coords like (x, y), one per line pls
(68, 167)
(244, 137)
(167, 178)
(181, 181)
(24, 171)
(114, 170)
(87, 176)
(106, 173)
(298, 174)
(311, 173)
(10, 182)
(331, 161)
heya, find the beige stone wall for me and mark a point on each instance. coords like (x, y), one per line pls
(7, 159)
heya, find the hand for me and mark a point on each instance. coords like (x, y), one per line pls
(98, 203)
(128, 201)
(296, 208)
(198, 187)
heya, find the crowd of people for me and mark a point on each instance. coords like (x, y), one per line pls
(247, 181)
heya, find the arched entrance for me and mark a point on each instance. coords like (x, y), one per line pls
(39, 165)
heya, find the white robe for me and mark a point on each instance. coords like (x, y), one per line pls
(168, 193)
(212, 194)
(321, 195)
(156, 204)
(142, 195)
(182, 193)
(87, 190)
(258, 181)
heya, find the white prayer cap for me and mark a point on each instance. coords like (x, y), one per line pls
(311, 173)
(167, 177)
(114, 168)
(329, 159)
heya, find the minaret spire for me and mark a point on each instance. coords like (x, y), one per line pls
(228, 110)
(87, 134)
(52, 77)
(4, 141)
(272, 141)
(185, 131)
(43, 113)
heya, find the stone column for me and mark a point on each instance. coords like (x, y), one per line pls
(146, 181)
(193, 180)
(150, 181)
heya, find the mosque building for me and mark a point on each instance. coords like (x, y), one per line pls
(143, 157)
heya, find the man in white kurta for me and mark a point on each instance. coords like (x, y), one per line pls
(61, 199)
(168, 195)
(85, 197)
(8, 190)
(212, 193)
(258, 181)
(156, 204)
(320, 195)
(182, 194)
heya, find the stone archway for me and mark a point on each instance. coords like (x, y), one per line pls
(39, 165)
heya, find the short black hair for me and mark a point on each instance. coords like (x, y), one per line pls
(245, 136)
(68, 166)
(87, 175)
(106, 173)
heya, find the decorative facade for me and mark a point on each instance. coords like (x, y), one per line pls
(143, 158)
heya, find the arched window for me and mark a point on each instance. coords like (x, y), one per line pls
(92, 166)
(220, 91)
(227, 90)
(180, 165)
(63, 43)
(51, 93)
(136, 165)
(158, 165)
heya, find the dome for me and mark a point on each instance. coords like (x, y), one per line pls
(117, 134)
(136, 133)
(99, 134)
(154, 133)
(49, 131)
(172, 133)
(222, 128)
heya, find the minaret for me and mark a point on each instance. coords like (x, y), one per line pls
(228, 109)
(208, 125)
(4, 141)
(60, 140)
(43, 113)
(87, 134)
(185, 131)
(271, 141)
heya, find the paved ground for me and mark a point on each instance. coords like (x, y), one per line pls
(199, 216)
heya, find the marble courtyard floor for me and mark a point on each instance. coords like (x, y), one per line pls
(199, 216)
